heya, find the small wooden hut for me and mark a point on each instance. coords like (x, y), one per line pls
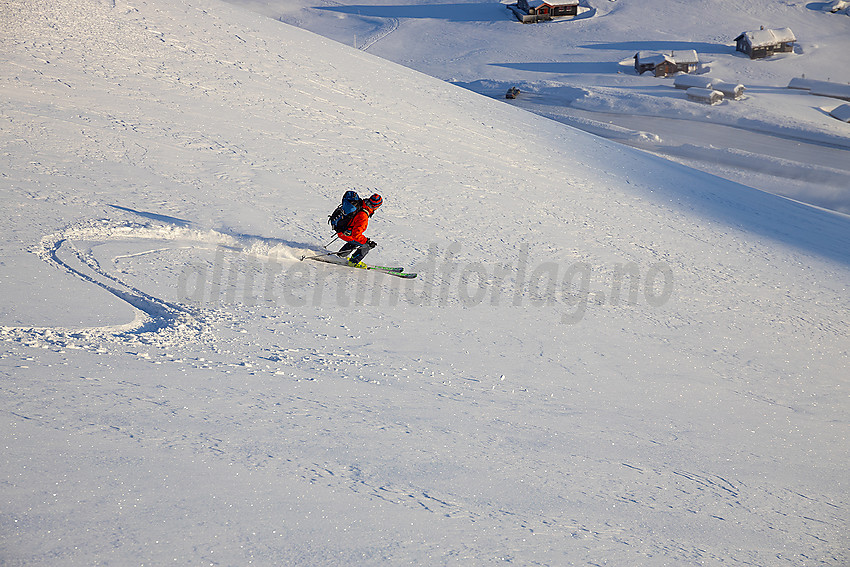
(734, 91)
(533, 11)
(687, 81)
(764, 43)
(661, 64)
(705, 96)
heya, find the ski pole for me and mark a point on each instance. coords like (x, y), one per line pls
(317, 256)
(325, 246)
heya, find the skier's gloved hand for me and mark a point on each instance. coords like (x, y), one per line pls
(371, 243)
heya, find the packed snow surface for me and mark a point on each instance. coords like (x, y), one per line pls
(607, 357)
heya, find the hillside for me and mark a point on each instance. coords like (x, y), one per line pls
(606, 357)
(581, 72)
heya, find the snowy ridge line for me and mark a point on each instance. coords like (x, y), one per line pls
(156, 320)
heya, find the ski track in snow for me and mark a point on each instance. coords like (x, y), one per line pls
(158, 322)
(240, 433)
(388, 26)
(417, 433)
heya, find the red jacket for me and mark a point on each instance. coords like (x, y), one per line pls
(357, 227)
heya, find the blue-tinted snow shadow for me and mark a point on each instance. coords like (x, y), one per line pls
(817, 231)
(818, 6)
(247, 239)
(155, 216)
(488, 12)
(565, 67)
(663, 46)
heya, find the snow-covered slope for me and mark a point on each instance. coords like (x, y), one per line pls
(581, 72)
(606, 357)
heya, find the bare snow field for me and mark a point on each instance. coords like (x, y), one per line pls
(607, 358)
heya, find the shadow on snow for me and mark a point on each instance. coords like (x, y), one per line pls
(155, 216)
(663, 46)
(239, 236)
(449, 12)
(564, 67)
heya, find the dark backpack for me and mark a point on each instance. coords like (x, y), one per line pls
(342, 215)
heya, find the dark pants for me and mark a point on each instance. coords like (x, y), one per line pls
(360, 251)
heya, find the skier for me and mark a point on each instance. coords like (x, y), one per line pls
(353, 235)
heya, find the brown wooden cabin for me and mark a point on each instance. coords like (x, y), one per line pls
(661, 64)
(532, 11)
(764, 43)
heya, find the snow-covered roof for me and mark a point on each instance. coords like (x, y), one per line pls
(688, 81)
(685, 56)
(761, 38)
(651, 57)
(834, 90)
(821, 88)
(800, 83)
(704, 93)
(553, 3)
(735, 89)
(841, 112)
(720, 86)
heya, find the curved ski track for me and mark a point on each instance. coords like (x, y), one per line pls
(157, 321)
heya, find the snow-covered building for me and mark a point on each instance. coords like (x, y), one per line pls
(800, 83)
(763, 43)
(655, 62)
(661, 64)
(841, 112)
(687, 81)
(705, 96)
(686, 60)
(735, 91)
(532, 11)
(834, 90)
(821, 88)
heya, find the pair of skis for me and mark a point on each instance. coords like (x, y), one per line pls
(332, 258)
